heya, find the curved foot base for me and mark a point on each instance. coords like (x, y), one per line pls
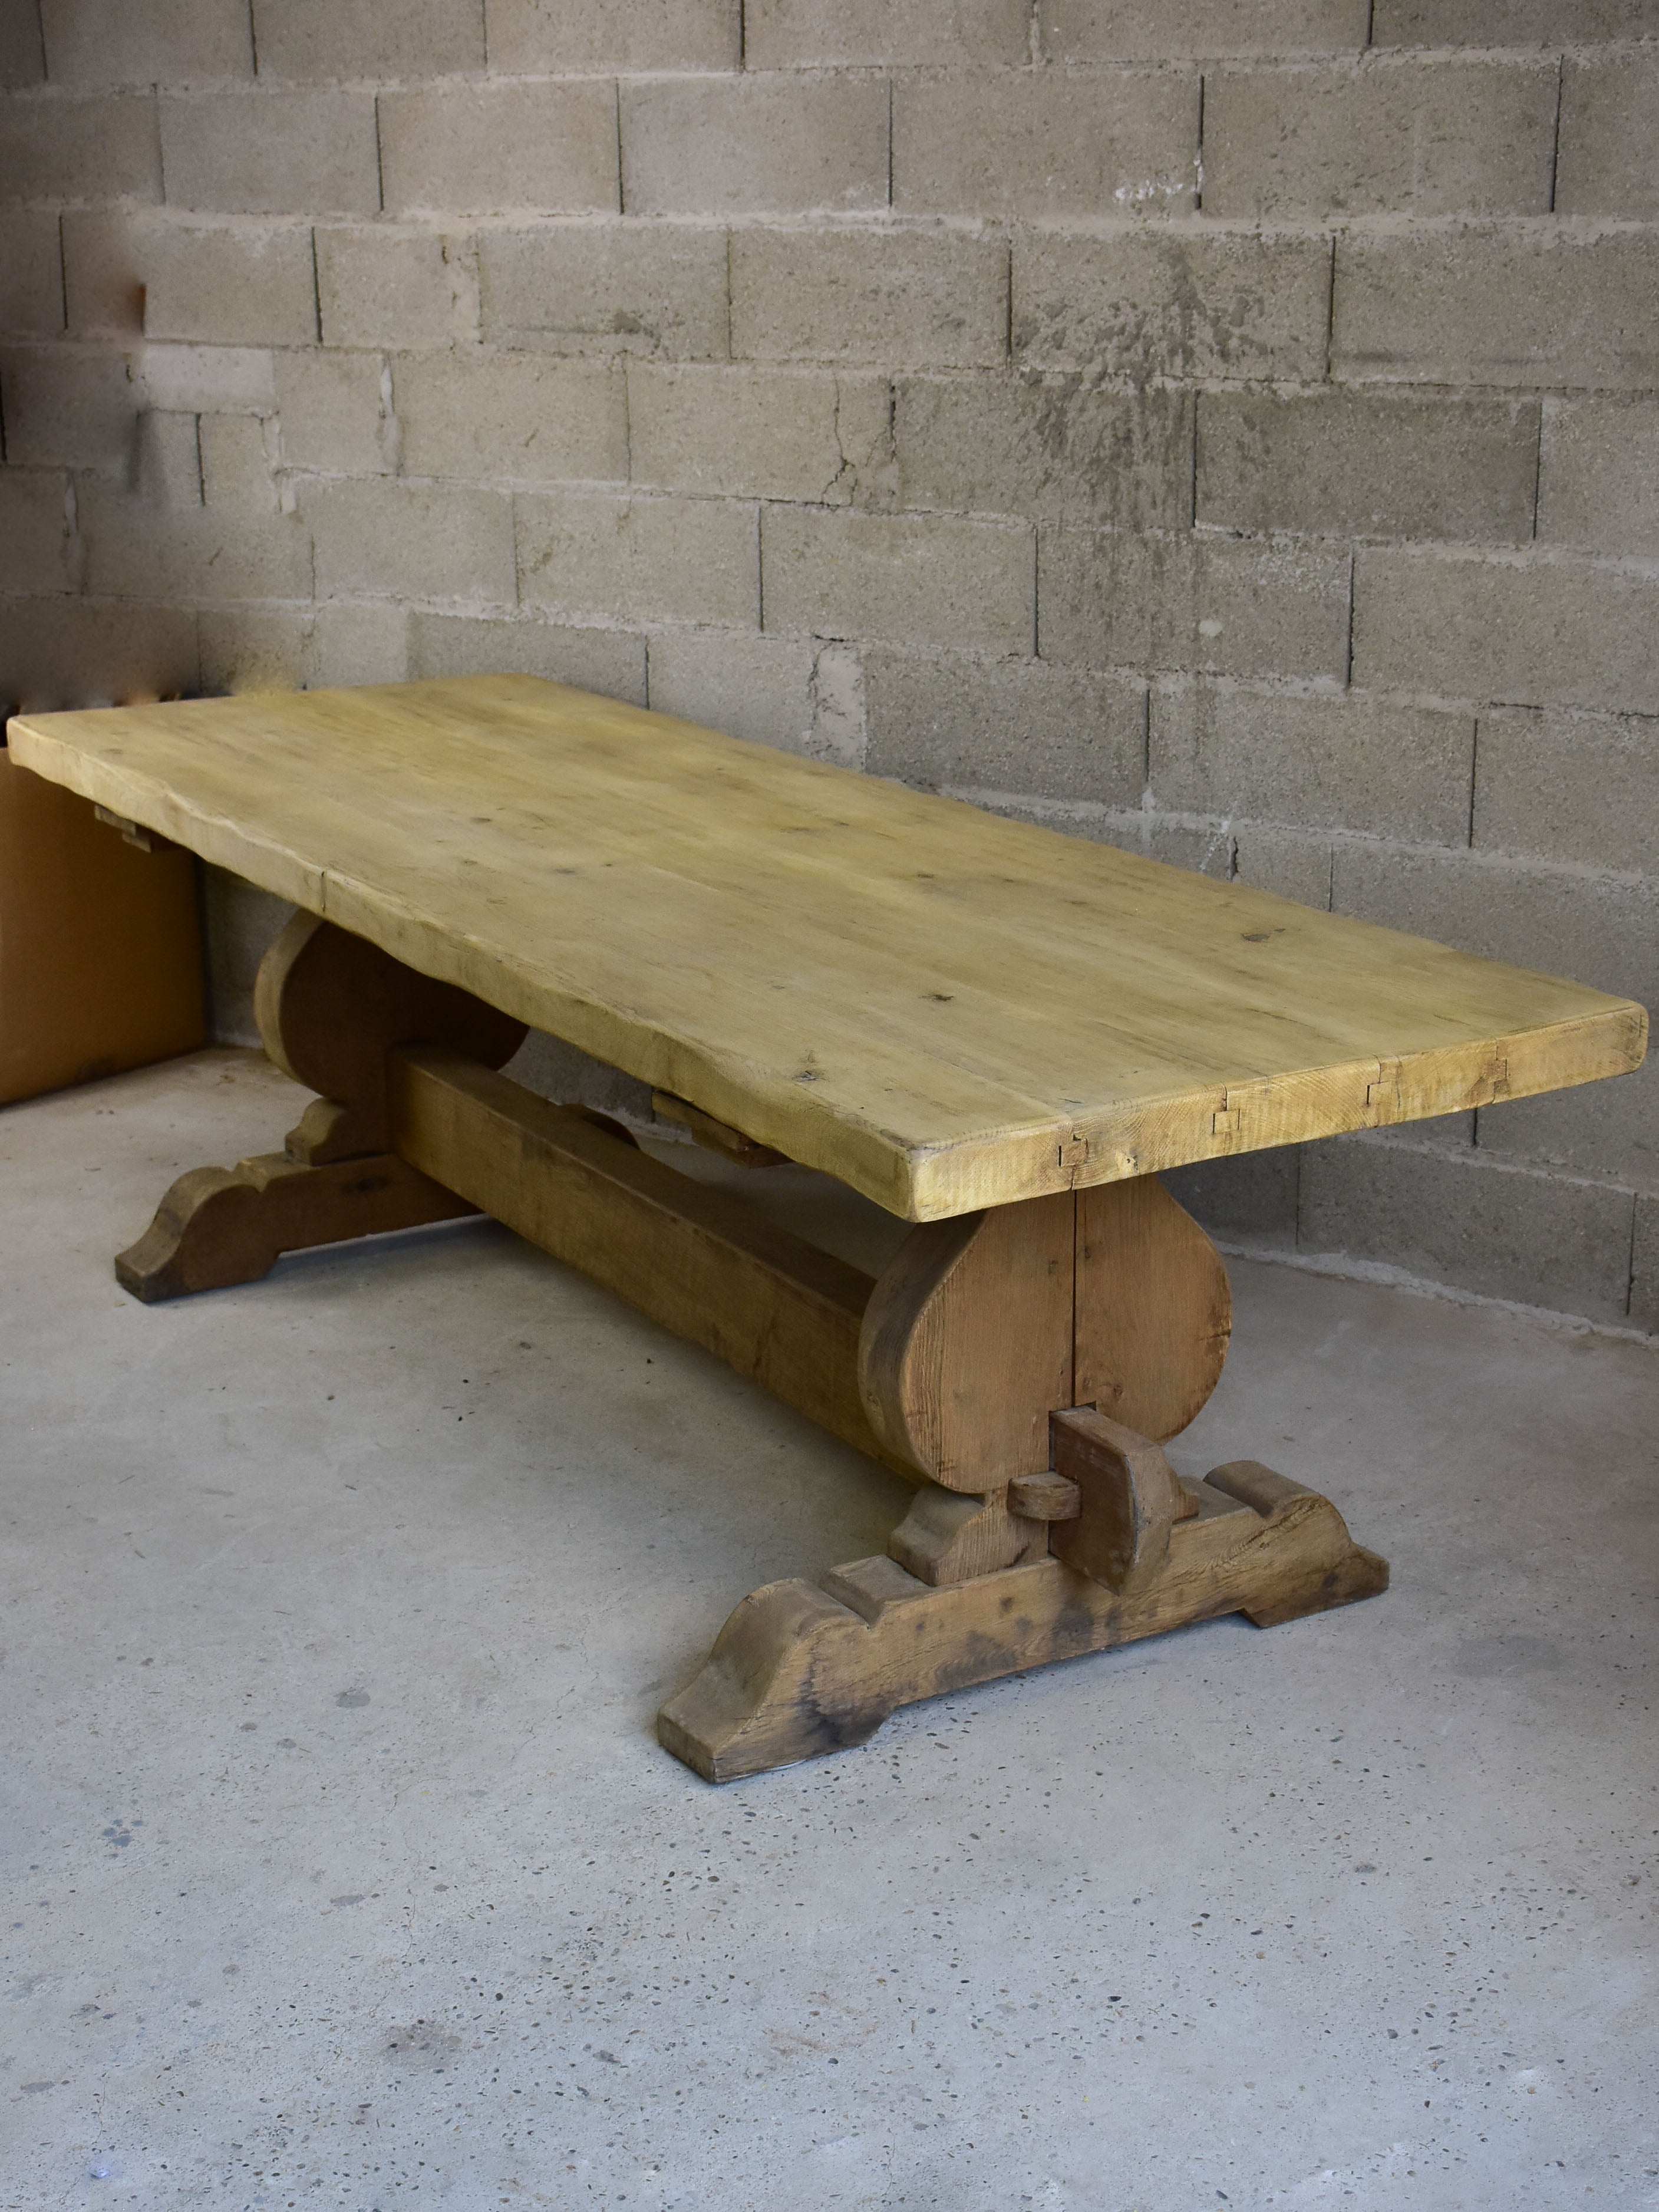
(221, 1225)
(798, 1670)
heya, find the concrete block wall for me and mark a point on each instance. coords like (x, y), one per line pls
(1228, 428)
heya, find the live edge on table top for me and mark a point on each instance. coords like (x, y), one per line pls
(942, 1007)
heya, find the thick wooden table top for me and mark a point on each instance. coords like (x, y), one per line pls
(944, 1009)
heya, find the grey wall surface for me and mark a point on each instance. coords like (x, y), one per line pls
(1229, 428)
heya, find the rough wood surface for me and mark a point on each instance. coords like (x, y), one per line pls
(692, 1256)
(330, 1005)
(801, 1669)
(967, 1344)
(1129, 1500)
(946, 1009)
(1154, 1312)
(947, 1536)
(714, 1136)
(221, 1225)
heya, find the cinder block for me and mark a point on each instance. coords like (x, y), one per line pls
(412, 541)
(255, 648)
(467, 149)
(1599, 930)
(917, 580)
(590, 554)
(189, 552)
(69, 406)
(35, 549)
(1024, 726)
(881, 33)
(804, 697)
(518, 416)
(1562, 786)
(72, 652)
(313, 40)
(1482, 305)
(1053, 448)
(236, 544)
(31, 275)
(1509, 22)
(758, 433)
(1644, 1268)
(1609, 119)
(1544, 1240)
(1342, 762)
(359, 645)
(381, 287)
(103, 289)
(227, 284)
(22, 58)
(1151, 30)
(754, 145)
(1563, 632)
(1381, 137)
(1356, 463)
(1251, 1200)
(96, 148)
(334, 413)
(171, 42)
(1220, 606)
(1609, 1129)
(1208, 848)
(934, 299)
(1295, 863)
(1139, 304)
(273, 153)
(1022, 145)
(610, 661)
(606, 288)
(1598, 481)
(166, 473)
(207, 380)
(530, 36)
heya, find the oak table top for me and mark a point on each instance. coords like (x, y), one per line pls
(944, 1008)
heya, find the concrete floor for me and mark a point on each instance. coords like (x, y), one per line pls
(344, 1870)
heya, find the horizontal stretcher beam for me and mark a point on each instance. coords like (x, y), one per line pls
(776, 1308)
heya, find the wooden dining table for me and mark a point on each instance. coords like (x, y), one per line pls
(999, 1033)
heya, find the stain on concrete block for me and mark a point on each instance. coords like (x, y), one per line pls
(1222, 605)
(1139, 305)
(1049, 447)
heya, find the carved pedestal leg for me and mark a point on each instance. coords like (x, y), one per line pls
(329, 1008)
(1030, 1362)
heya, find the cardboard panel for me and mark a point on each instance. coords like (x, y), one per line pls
(100, 947)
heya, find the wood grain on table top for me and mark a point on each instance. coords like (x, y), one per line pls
(944, 1008)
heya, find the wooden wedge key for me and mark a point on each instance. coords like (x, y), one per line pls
(998, 1033)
